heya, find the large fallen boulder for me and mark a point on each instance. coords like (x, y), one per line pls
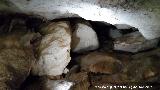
(53, 52)
(134, 42)
(84, 38)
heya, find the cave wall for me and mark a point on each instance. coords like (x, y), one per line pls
(142, 14)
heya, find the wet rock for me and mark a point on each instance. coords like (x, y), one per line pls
(16, 59)
(99, 62)
(84, 39)
(54, 49)
(134, 42)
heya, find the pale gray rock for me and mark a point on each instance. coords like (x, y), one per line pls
(122, 26)
(54, 49)
(134, 42)
(84, 38)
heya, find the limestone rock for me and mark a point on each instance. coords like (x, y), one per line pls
(54, 49)
(98, 62)
(84, 39)
(134, 42)
(142, 14)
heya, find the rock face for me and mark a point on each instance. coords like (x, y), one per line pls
(134, 42)
(16, 59)
(54, 49)
(84, 39)
(98, 62)
(142, 14)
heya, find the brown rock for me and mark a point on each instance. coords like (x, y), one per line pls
(98, 62)
(16, 59)
(144, 68)
(81, 81)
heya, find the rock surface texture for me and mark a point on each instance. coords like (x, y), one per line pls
(98, 62)
(134, 42)
(16, 57)
(84, 39)
(142, 14)
(54, 49)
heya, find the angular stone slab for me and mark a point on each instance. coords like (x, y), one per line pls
(134, 42)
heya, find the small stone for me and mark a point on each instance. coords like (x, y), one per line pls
(134, 42)
(54, 49)
(84, 39)
(99, 62)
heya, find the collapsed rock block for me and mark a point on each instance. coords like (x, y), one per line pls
(54, 49)
(134, 42)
